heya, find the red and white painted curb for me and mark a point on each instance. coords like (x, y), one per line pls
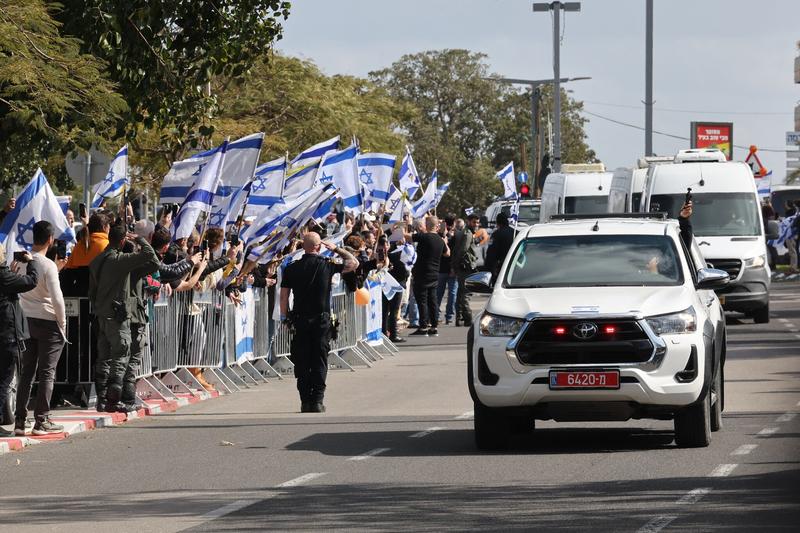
(78, 421)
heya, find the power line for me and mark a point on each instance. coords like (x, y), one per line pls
(695, 111)
(672, 135)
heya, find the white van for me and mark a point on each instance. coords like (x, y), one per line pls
(627, 185)
(528, 212)
(726, 221)
(581, 191)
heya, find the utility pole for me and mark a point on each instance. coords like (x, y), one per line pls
(556, 8)
(648, 81)
(536, 95)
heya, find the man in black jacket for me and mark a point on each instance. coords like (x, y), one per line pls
(499, 245)
(13, 326)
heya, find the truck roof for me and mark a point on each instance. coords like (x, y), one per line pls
(731, 176)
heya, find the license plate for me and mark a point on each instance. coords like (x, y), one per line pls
(584, 379)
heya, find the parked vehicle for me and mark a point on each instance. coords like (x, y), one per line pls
(528, 212)
(578, 189)
(627, 185)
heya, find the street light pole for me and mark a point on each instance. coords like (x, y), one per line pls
(648, 82)
(556, 8)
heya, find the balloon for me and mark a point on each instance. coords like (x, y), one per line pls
(362, 296)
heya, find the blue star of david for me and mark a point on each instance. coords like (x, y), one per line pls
(325, 179)
(109, 177)
(215, 219)
(373, 316)
(22, 229)
(199, 169)
(365, 177)
(395, 203)
(258, 185)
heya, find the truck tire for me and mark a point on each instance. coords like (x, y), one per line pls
(718, 389)
(761, 316)
(693, 425)
(491, 428)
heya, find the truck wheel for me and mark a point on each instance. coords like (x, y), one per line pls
(491, 428)
(761, 316)
(521, 424)
(693, 425)
(718, 390)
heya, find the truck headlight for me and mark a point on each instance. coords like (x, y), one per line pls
(499, 326)
(755, 262)
(682, 322)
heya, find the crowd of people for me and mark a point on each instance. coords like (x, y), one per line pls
(124, 265)
(789, 212)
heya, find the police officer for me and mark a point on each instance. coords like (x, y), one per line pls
(309, 279)
(116, 304)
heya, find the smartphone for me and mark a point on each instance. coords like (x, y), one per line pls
(688, 195)
(381, 251)
(61, 249)
(82, 210)
(21, 257)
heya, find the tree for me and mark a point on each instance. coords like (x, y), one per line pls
(52, 97)
(467, 124)
(164, 53)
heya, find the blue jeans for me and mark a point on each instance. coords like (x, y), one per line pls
(450, 284)
(411, 312)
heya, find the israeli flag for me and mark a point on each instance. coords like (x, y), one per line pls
(309, 155)
(375, 172)
(514, 214)
(228, 209)
(336, 240)
(400, 211)
(36, 202)
(115, 181)
(506, 177)
(440, 193)
(240, 164)
(408, 255)
(426, 203)
(390, 286)
(267, 188)
(341, 169)
(200, 197)
(64, 202)
(764, 184)
(409, 177)
(393, 202)
(469, 210)
(270, 219)
(785, 233)
(300, 180)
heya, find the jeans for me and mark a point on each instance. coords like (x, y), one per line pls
(41, 355)
(9, 355)
(450, 284)
(412, 310)
(426, 301)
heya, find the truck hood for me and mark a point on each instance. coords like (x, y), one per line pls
(730, 247)
(644, 301)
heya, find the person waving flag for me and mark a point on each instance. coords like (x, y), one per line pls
(115, 181)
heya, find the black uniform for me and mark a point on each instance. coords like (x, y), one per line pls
(310, 281)
(502, 239)
(425, 277)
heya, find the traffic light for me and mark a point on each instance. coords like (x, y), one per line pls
(525, 190)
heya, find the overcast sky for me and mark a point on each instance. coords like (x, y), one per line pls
(714, 60)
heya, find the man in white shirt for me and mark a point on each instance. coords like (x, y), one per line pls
(44, 309)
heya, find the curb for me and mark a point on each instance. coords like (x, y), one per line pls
(79, 421)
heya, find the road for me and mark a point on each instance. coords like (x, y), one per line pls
(395, 452)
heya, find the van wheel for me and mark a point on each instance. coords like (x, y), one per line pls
(491, 428)
(718, 390)
(762, 315)
(693, 425)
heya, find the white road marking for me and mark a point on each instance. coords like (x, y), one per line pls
(756, 347)
(766, 432)
(366, 455)
(783, 320)
(693, 496)
(424, 433)
(794, 331)
(786, 417)
(228, 509)
(744, 449)
(465, 416)
(300, 480)
(657, 524)
(723, 470)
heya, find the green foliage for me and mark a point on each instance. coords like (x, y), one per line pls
(52, 97)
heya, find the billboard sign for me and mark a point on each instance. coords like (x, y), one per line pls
(792, 138)
(713, 135)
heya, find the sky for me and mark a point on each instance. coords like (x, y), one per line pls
(714, 60)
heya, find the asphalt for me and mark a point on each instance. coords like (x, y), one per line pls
(395, 452)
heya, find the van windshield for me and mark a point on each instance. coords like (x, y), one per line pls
(715, 213)
(528, 213)
(594, 260)
(586, 204)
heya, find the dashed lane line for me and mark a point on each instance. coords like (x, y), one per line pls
(693, 496)
(766, 432)
(744, 449)
(786, 417)
(465, 416)
(366, 455)
(723, 470)
(657, 524)
(424, 433)
(305, 478)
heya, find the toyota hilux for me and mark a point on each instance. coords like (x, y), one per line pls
(599, 319)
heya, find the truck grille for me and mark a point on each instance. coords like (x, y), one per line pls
(572, 341)
(731, 266)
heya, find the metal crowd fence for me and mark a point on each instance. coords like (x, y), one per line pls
(196, 330)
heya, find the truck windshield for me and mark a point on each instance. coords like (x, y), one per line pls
(594, 260)
(715, 214)
(528, 213)
(585, 204)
